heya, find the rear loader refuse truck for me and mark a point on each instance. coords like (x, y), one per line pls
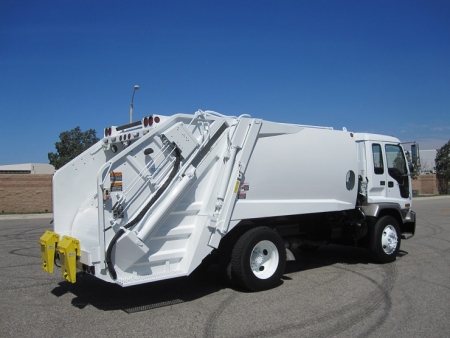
(155, 198)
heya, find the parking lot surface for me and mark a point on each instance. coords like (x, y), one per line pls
(335, 291)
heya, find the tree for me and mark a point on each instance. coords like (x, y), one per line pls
(442, 168)
(72, 143)
(414, 170)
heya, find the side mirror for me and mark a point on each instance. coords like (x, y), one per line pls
(415, 158)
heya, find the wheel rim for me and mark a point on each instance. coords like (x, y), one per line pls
(389, 239)
(264, 259)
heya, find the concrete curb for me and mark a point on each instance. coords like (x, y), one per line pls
(25, 216)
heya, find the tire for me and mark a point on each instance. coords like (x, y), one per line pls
(258, 259)
(225, 268)
(386, 240)
(224, 259)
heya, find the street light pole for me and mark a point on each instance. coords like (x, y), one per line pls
(136, 87)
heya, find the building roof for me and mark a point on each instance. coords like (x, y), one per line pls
(27, 168)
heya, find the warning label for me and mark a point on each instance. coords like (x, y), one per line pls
(115, 176)
(116, 186)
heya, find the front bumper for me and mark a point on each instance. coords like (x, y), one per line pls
(408, 228)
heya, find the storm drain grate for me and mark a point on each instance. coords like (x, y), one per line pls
(152, 306)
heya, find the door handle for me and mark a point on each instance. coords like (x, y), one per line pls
(390, 184)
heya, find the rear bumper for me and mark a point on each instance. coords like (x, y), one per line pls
(65, 249)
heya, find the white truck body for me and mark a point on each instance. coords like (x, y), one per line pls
(153, 199)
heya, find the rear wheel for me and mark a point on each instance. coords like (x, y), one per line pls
(258, 259)
(385, 242)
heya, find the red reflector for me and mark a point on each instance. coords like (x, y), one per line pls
(156, 119)
(145, 122)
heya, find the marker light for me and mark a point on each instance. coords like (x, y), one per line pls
(148, 121)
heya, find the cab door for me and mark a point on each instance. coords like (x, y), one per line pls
(387, 174)
(398, 180)
(376, 172)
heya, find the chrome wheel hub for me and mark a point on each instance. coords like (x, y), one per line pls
(389, 239)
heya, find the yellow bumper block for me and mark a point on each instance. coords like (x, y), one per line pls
(69, 250)
(48, 241)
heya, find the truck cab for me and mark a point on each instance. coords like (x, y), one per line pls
(385, 179)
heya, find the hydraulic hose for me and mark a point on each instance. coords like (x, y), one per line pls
(139, 216)
(109, 263)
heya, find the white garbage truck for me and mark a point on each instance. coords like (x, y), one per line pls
(155, 198)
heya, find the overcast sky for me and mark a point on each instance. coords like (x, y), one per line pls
(369, 66)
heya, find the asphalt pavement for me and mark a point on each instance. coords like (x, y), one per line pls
(335, 291)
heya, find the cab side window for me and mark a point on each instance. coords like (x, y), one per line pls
(395, 160)
(378, 166)
(396, 164)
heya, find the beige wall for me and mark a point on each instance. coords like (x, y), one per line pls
(25, 193)
(426, 185)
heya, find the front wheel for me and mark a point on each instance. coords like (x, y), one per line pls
(258, 259)
(385, 242)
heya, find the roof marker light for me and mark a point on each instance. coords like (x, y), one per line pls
(156, 119)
